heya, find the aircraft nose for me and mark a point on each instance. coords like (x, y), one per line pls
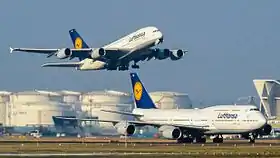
(262, 119)
(160, 37)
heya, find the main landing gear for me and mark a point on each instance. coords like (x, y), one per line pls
(185, 140)
(218, 139)
(189, 139)
(123, 67)
(135, 66)
(200, 139)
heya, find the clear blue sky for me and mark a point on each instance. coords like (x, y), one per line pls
(230, 43)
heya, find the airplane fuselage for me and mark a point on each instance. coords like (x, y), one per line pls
(135, 42)
(140, 39)
(221, 119)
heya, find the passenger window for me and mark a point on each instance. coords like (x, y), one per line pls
(255, 109)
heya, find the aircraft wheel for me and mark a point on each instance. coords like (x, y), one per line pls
(218, 140)
(135, 66)
(123, 67)
(200, 140)
(252, 139)
(185, 140)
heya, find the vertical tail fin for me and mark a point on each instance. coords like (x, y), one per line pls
(78, 41)
(141, 97)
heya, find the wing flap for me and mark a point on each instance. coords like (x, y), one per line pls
(63, 64)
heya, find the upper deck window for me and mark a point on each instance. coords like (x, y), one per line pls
(254, 109)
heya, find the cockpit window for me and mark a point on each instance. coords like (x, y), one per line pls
(254, 109)
(155, 30)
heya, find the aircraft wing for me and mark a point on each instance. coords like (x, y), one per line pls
(144, 123)
(83, 52)
(123, 113)
(148, 54)
(154, 53)
(62, 64)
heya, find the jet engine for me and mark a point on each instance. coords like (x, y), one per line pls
(170, 132)
(125, 128)
(64, 53)
(266, 130)
(162, 53)
(97, 53)
(176, 55)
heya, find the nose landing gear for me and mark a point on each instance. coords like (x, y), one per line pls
(218, 139)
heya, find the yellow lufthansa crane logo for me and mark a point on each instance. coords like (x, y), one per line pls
(78, 43)
(138, 90)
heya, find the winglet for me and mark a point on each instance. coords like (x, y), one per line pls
(11, 50)
(141, 96)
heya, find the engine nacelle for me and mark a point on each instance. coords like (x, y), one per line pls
(64, 53)
(97, 53)
(266, 130)
(176, 55)
(170, 132)
(125, 128)
(162, 53)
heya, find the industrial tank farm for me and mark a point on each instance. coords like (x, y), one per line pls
(72, 99)
(171, 100)
(4, 104)
(93, 102)
(35, 108)
(29, 109)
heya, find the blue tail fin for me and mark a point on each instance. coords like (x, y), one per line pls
(77, 40)
(141, 97)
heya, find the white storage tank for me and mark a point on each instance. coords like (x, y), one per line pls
(93, 102)
(52, 96)
(171, 100)
(4, 104)
(107, 96)
(70, 97)
(34, 108)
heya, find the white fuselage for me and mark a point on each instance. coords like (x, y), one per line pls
(141, 39)
(220, 119)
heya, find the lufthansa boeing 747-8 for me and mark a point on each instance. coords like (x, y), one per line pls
(136, 46)
(188, 125)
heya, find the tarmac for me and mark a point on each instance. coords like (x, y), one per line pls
(28, 139)
(132, 147)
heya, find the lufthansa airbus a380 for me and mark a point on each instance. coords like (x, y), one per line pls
(114, 56)
(187, 125)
